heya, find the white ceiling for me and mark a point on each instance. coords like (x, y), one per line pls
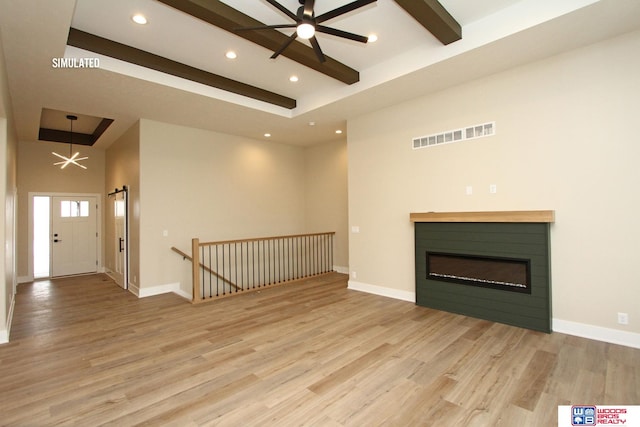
(405, 62)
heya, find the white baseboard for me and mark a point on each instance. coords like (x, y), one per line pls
(134, 289)
(24, 279)
(382, 291)
(598, 333)
(340, 269)
(183, 294)
(163, 289)
(158, 290)
(4, 333)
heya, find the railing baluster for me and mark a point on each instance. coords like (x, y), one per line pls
(279, 262)
(217, 269)
(238, 280)
(244, 265)
(278, 242)
(224, 267)
(321, 251)
(241, 266)
(210, 278)
(203, 277)
(315, 251)
(288, 258)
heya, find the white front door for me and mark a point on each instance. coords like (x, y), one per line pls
(73, 235)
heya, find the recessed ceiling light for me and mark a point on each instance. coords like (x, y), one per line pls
(139, 19)
(339, 131)
(231, 55)
(372, 38)
(293, 79)
(267, 135)
(312, 123)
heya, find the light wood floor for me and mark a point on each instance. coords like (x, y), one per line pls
(84, 352)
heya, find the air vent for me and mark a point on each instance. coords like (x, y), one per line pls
(471, 132)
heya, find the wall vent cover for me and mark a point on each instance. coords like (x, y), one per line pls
(456, 135)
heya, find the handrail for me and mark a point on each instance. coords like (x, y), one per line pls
(187, 256)
(259, 239)
(245, 265)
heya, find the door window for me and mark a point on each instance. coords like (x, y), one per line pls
(74, 208)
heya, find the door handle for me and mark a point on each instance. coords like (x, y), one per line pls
(120, 242)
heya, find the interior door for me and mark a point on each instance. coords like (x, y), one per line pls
(73, 236)
(120, 238)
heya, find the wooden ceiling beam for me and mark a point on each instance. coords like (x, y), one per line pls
(435, 18)
(93, 43)
(227, 18)
(56, 135)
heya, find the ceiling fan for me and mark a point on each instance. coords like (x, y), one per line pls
(307, 24)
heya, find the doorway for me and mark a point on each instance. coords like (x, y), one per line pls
(117, 237)
(65, 238)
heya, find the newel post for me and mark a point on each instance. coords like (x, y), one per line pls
(195, 265)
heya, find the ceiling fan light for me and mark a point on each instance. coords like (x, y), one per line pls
(305, 30)
(71, 159)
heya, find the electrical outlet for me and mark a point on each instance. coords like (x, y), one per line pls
(493, 189)
(623, 318)
(469, 190)
(354, 275)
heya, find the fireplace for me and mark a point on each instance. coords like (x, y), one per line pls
(489, 265)
(508, 274)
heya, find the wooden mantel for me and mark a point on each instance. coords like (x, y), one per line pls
(495, 216)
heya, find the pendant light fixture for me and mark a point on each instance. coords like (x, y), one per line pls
(72, 159)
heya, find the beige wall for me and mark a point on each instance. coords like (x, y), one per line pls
(326, 196)
(8, 142)
(36, 173)
(122, 167)
(196, 183)
(567, 139)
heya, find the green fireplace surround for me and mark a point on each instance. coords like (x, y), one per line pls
(505, 234)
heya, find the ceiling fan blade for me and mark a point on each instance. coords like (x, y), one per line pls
(340, 33)
(266, 27)
(342, 10)
(284, 46)
(317, 50)
(308, 8)
(283, 9)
